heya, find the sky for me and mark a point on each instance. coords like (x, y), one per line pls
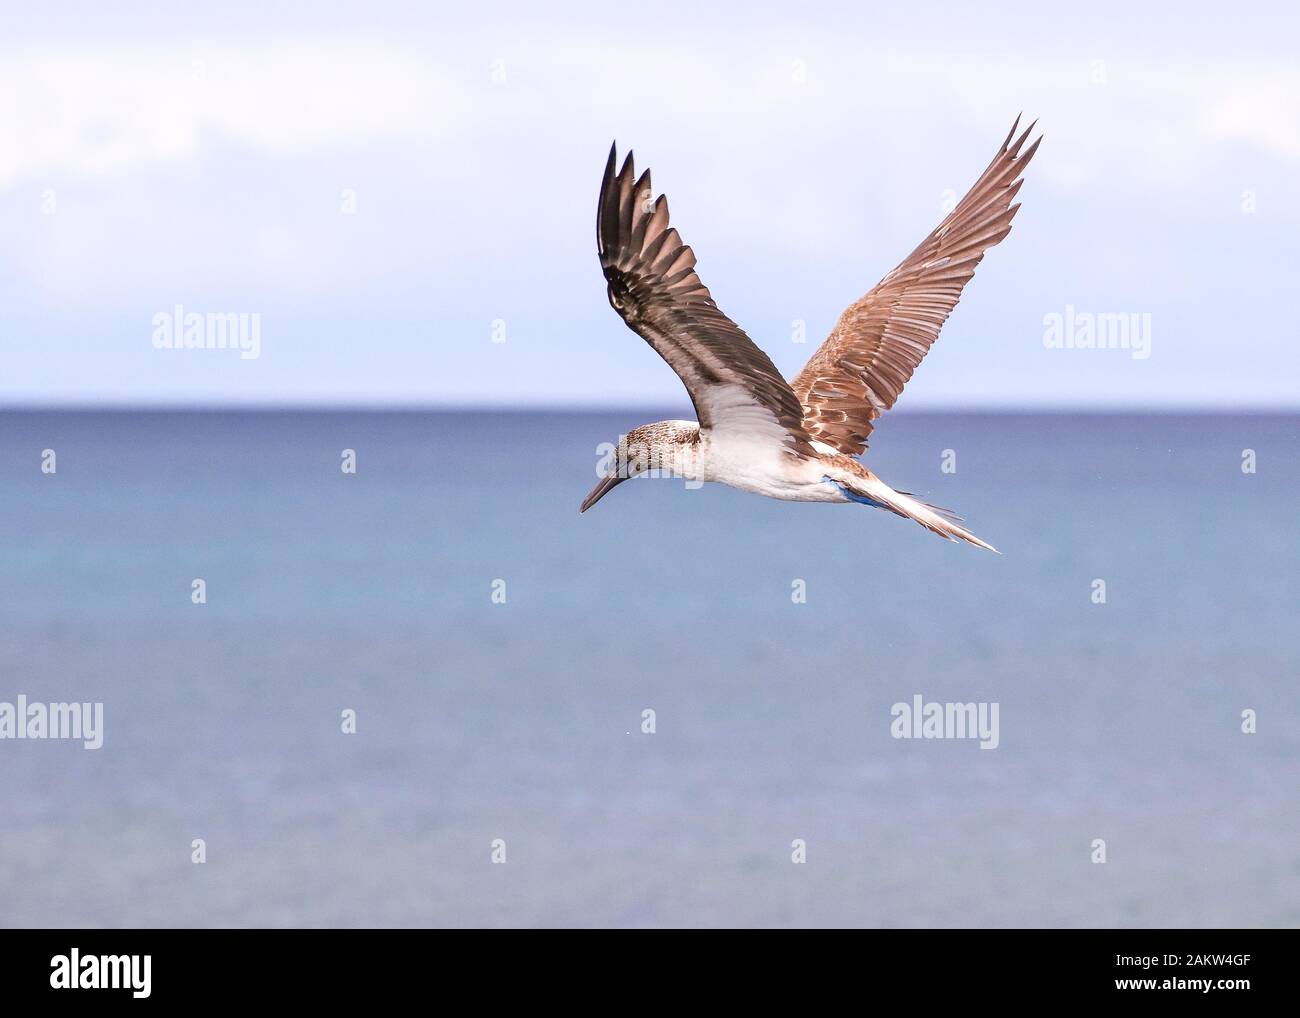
(404, 196)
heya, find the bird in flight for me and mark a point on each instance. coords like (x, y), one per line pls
(796, 440)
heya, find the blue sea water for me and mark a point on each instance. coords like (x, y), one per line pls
(522, 721)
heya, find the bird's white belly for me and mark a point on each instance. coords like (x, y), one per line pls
(766, 469)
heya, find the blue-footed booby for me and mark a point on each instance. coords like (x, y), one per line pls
(755, 431)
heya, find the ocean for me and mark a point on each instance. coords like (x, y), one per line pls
(502, 659)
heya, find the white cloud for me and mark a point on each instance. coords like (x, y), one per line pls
(97, 112)
(212, 175)
(1261, 108)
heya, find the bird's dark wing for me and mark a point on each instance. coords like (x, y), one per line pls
(654, 286)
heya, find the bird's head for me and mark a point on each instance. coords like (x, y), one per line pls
(650, 447)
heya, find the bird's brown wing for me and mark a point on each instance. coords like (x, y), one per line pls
(653, 285)
(859, 372)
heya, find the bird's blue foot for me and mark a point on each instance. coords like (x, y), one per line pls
(853, 496)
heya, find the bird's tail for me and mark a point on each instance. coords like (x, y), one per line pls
(871, 490)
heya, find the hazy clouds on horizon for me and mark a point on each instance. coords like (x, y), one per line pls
(392, 188)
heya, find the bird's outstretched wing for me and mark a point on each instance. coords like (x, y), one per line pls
(859, 372)
(654, 286)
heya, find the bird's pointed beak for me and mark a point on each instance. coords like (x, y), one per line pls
(606, 485)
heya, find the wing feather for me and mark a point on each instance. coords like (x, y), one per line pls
(653, 285)
(860, 371)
